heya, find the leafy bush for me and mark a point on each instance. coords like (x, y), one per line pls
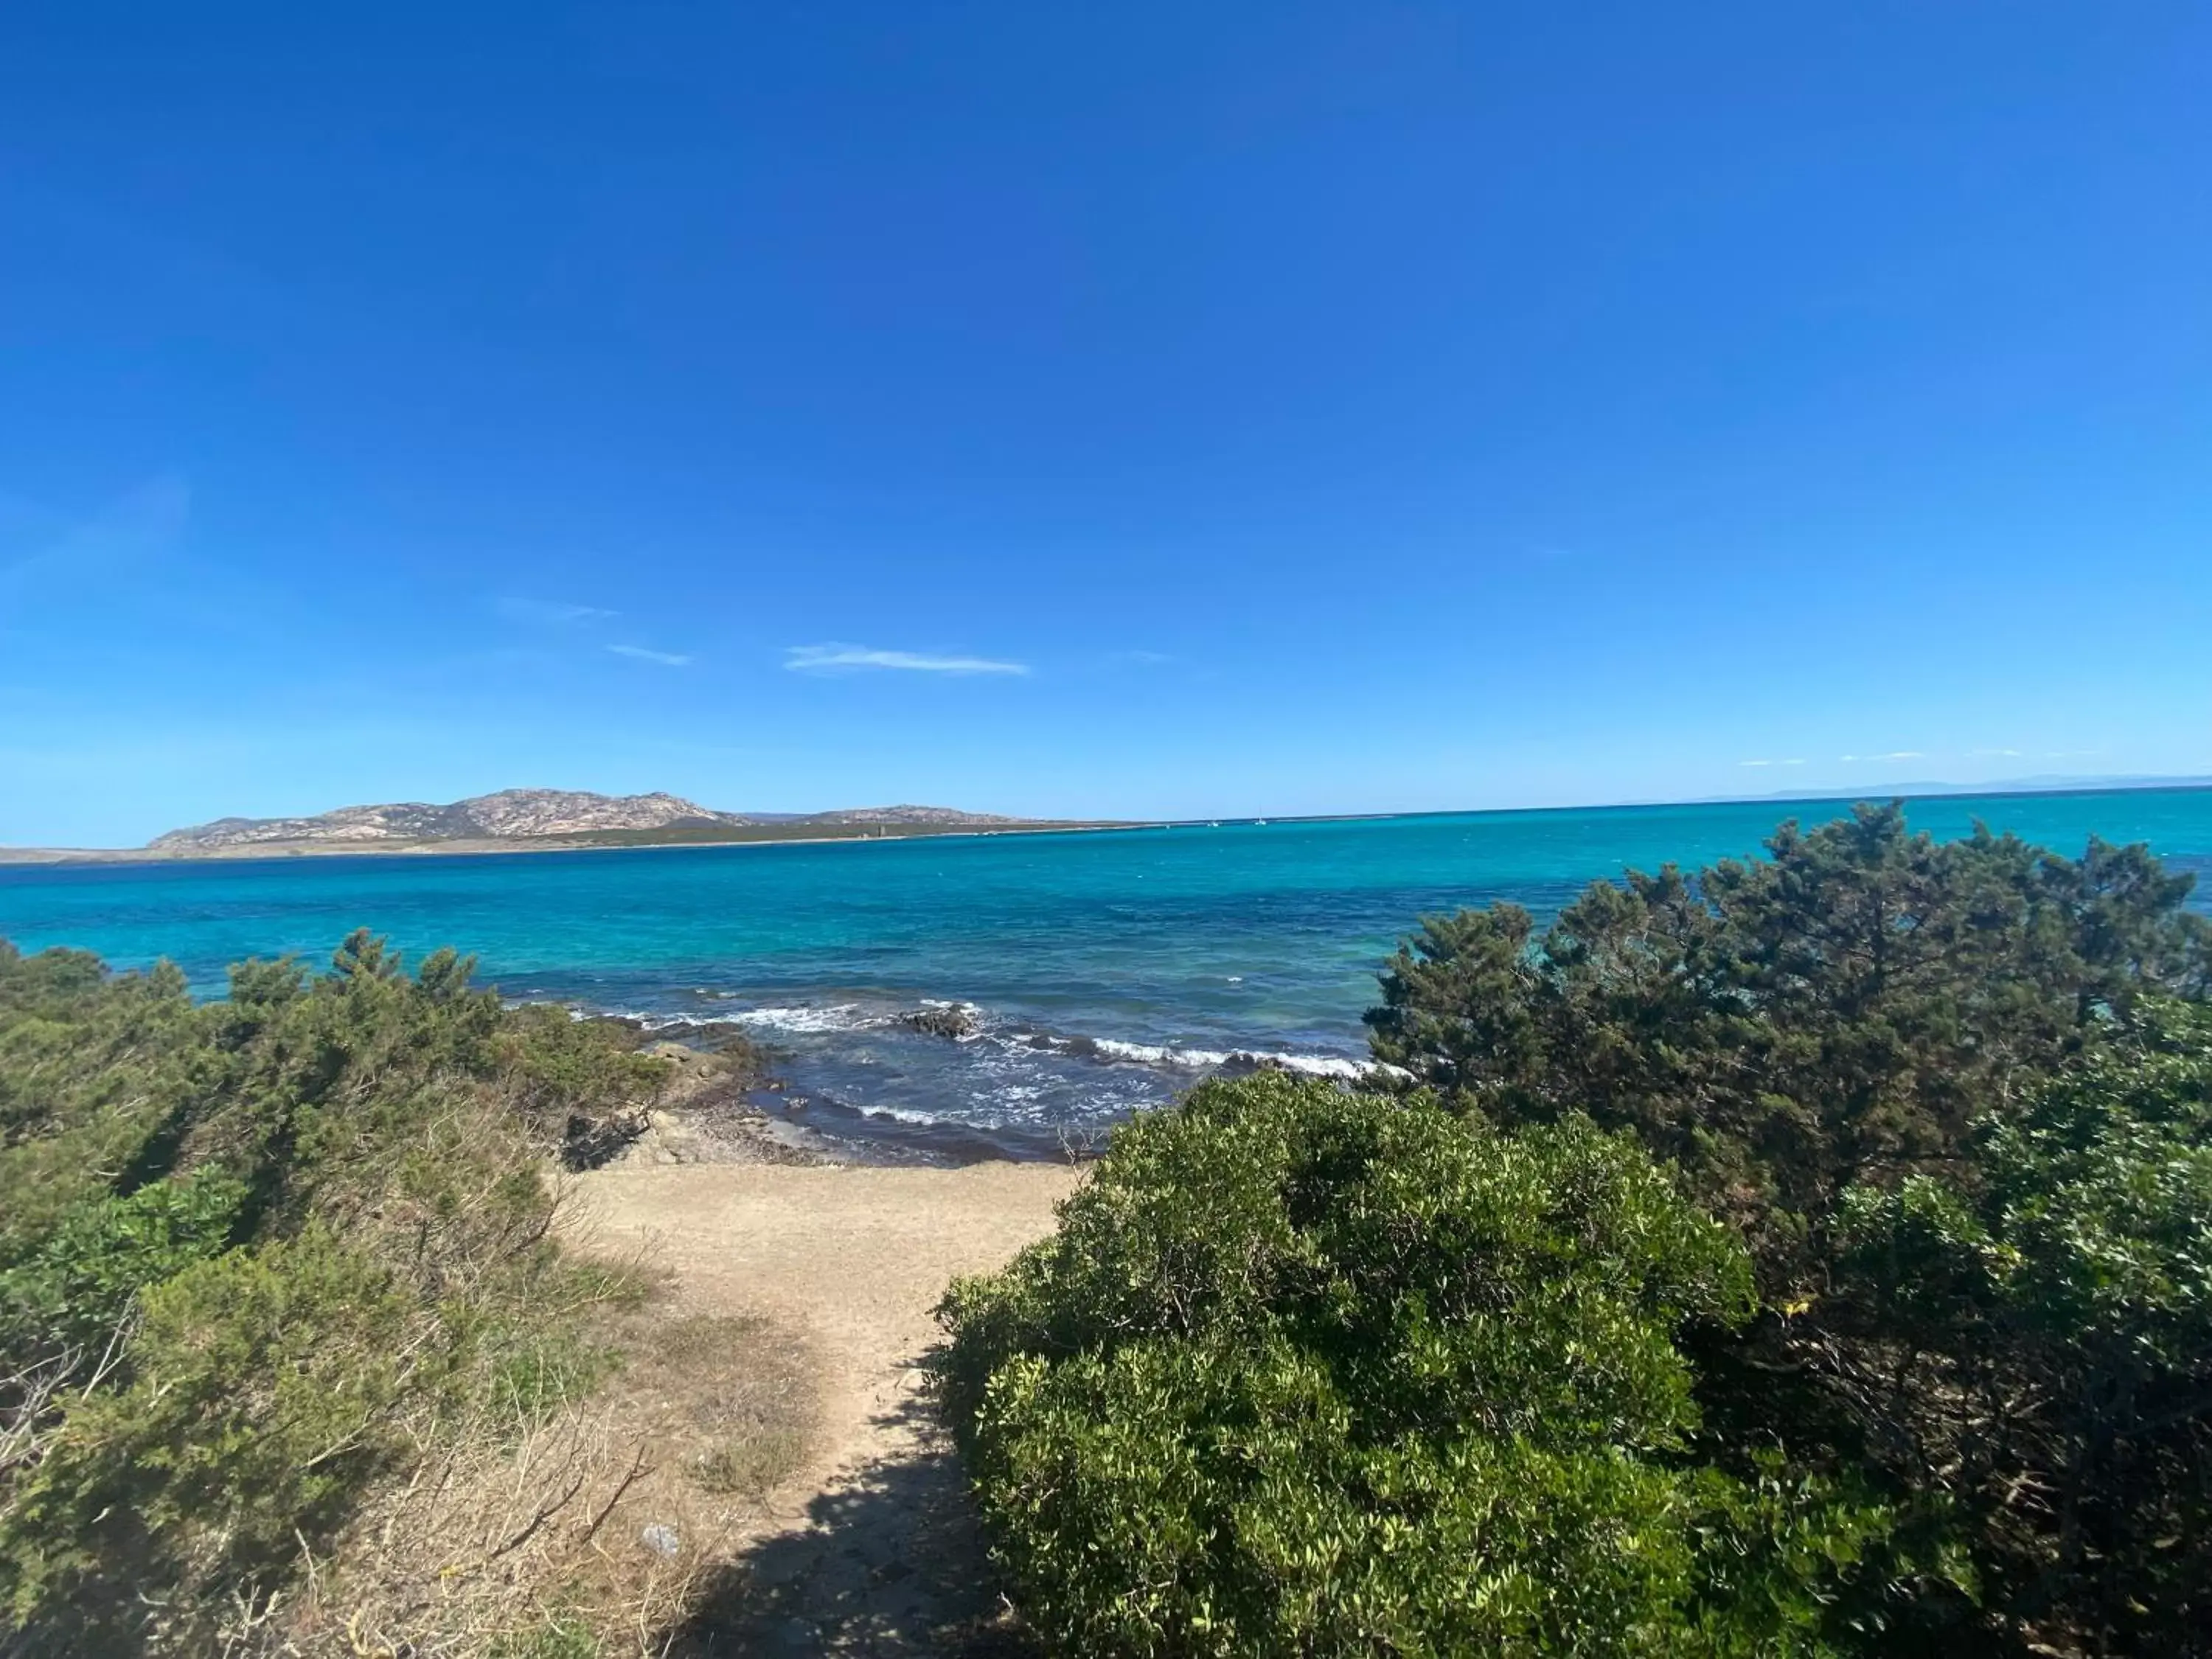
(263, 1386)
(1939, 1090)
(1305, 1371)
(255, 1255)
(90, 1067)
(72, 1291)
(2049, 1336)
(1844, 1010)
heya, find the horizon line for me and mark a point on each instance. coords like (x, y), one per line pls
(1917, 790)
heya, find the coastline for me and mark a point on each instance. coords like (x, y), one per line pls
(1043, 1062)
(807, 1085)
(281, 852)
(1097, 977)
(284, 852)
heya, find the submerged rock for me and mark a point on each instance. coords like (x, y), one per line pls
(948, 1019)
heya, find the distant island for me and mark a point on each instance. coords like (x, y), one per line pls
(513, 820)
(551, 820)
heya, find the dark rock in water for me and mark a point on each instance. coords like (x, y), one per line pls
(951, 1020)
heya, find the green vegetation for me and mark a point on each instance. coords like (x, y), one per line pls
(2033, 1330)
(1845, 1010)
(257, 1256)
(1811, 1256)
(1310, 1372)
(1460, 1368)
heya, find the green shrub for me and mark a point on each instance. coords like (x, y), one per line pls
(1307, 1371)
(1841, 1010)
(2050, 1328)
(1940, 1090)
(74, 1289)
(256, 1255)
(92, 1068)
(262, 1392)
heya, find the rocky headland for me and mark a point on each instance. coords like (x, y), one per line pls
(525, 820)
(532, 815)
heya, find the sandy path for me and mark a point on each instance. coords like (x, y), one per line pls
(872, 1552)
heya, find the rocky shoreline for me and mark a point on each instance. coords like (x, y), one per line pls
(733, 1100)
(705, 1115)
(725, 1105)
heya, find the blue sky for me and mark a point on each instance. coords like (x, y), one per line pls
(1136, 410)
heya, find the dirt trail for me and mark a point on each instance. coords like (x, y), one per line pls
(872, 1551)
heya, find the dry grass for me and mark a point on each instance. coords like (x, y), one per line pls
(748, 1426)
(582, 1532)
(572, 1509)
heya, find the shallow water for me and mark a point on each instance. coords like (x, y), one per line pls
(1110, 969)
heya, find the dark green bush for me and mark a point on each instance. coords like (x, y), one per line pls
(2048, 1333)
(1939, 1089)
(1306, 1371)
(1844, 1010)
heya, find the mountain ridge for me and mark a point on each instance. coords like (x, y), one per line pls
(533, 815)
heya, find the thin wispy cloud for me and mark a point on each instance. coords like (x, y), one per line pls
(1895, 754)
(645, 653)
(550, 613)
(858, 658)
(2000, 754)
(1798, 761)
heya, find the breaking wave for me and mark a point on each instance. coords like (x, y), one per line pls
(864, 1058)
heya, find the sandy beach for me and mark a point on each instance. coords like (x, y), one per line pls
(869, 1547)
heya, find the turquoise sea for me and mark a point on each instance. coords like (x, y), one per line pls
(1110, 969)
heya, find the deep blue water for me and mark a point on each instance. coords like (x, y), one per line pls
(1172, 947)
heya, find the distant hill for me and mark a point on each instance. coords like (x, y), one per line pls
(537, 815)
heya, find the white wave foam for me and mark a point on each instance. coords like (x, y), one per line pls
(833, 1016)
(905, 1114)
(1314, 1065)
(836, 1016)
(1206, 1060)
(1157, 1054)
(808, 1019)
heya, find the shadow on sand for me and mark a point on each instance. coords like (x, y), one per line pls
(890, 1563)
